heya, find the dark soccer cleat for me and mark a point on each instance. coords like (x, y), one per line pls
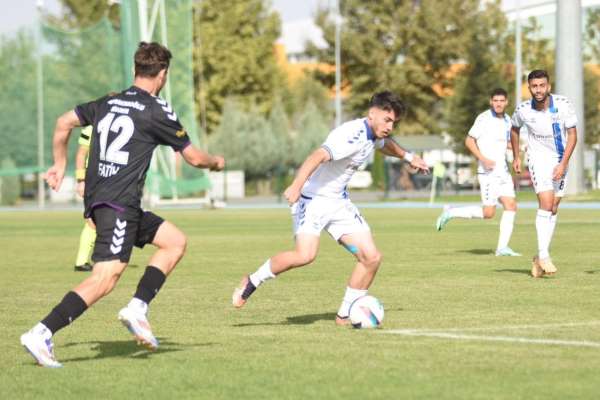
(342, 321)
(87, 267)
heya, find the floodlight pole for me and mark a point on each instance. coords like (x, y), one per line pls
(569, 81)
(40, 105)
(338, 68)
(518, 55)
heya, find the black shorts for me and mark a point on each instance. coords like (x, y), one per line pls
(118, 230)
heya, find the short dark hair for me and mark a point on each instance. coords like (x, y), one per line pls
(499, 92)
(537, 74)
(150, 59)
(388, 101)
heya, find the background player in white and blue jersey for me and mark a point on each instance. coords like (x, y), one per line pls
(488, 141)
(551, 124)
(320, 201)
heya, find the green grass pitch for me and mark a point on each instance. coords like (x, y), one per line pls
(460, 323)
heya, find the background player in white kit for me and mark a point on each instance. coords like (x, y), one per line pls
(551, 123)
(488, 139)
(320, 201)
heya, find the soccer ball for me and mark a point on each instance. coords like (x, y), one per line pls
(366, 312)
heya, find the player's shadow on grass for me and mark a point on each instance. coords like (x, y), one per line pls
(127, 349)
(593, 271)
(514, 271)
(306, 319)
(297, 320)
(478, 252)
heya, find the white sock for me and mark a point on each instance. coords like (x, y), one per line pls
(466, 212)
(262, 274)
(506, 227)
(543, 226)
(553, 219)
(43, 330)
(349, 297)
(138, 305)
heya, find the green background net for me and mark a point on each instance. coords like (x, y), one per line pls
(78, 66)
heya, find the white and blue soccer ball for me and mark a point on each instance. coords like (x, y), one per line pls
(366, 312)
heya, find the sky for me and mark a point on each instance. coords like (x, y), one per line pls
(21, 13)
(297, 17)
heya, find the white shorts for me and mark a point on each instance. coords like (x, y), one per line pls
(541, 175)
(337, 216)
(494, 186)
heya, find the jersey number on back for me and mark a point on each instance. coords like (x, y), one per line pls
(123, 125)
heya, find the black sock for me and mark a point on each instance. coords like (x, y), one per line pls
(65, 312)
(248, 290)
(150, 284)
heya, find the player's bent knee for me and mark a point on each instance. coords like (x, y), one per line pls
(105, 280)
(372, 259)
(179, 245)
(304, 259)
(489, 212)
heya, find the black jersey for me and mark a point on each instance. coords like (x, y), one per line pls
(127, 128)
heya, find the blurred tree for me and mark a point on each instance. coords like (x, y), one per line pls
(246, 141)
(298, 94)
(591, 82)
(18, 101)
(407, 47)
(279, 126)
(234, 56)
(10, 186)
(538, 51)
(83, 13)
(591, 86)
(484, 70)
(311, 130)
(592, 34)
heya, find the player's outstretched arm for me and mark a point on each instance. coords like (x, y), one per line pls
(393, 149)
(292, 193)
(200, 159)
(64, 124)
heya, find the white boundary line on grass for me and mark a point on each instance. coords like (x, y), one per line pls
(454, 333)
(447, 335)
(509, 327)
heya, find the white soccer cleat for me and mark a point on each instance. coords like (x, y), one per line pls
(443, 219)
(507, 252)
(40, 348)
(138, 325)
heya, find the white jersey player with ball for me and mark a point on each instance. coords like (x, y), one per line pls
(319, 199)
(488, 141)
(552, 134)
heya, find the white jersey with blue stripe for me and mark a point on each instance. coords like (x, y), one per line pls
(492, 133)
(349, 146)
(547, 129)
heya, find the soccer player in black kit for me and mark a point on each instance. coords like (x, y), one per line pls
(127, 128)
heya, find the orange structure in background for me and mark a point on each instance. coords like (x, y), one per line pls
(295, 71)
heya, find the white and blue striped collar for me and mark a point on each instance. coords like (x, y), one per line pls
(370, 134)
